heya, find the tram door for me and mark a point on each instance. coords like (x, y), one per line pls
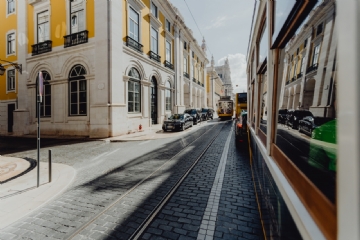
(153, 100)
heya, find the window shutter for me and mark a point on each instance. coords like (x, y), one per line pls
(81, 18)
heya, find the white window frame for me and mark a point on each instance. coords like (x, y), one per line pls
(317, 55)
(185, 63)
(138, 24)
(37, 26)
(152, 39)
(68, 16)
(6, 41)
(137, 6)
(294, 74)
(7, 7)
(152, 5)
(302, 64)
(39, 8)
(167, 24)
(166, 51)
(168, 105)
(7, 80)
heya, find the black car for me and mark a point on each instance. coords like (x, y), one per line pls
(178, 122)
(207, 113)
(308, 124)
(195, 113)
(282, 116)
(294, 116)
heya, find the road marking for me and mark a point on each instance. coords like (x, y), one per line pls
(112, 152)
(145, 142)
(207, 227)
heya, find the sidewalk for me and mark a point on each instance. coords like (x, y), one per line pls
(20, 196)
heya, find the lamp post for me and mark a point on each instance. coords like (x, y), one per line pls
(17, 66)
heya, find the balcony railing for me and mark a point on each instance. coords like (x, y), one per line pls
(186, 75)
(293, 79)
(169, 65)
(154, 56)
(202, 85)
(42, 47)
(194, 80)
(287, 82)
(134, 44)
(199, 82)
(312, 68)
(76, 39)
(299, 75)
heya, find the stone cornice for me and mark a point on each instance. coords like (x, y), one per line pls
(138, 4)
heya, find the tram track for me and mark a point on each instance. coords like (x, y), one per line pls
(142, 227)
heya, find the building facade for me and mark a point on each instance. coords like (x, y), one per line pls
(105, 73)
(225, 76)
(215, 87)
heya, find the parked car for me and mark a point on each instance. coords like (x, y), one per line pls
(241, 125)
(326, 132)
(309, 123)
(282, 116)
(195, 113)
(206, 114)
(293, 117)
(178, 122)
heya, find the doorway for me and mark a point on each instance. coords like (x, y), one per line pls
(11, 108)
(153, 100)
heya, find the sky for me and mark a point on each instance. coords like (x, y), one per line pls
(225, 24)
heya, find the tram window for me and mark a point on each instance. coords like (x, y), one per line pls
(263, 104)
(307, 112)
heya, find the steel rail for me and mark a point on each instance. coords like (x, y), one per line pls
(140, 230)
(80, 229)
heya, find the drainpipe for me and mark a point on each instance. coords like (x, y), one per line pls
(109, 65)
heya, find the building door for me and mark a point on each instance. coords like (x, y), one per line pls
(153, 100)
(11, 108)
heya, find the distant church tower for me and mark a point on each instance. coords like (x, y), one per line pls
(225, 75)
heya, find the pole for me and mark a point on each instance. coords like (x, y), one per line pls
(50, 165)
(38, 140)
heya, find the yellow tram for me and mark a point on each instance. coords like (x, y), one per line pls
(225, 108)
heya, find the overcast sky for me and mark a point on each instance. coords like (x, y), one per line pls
(225, 24)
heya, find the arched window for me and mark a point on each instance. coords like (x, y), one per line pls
(134, 91)
(45, 105)
(168, 96)
(77, 91)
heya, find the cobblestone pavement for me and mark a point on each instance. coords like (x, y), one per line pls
(98, 183)
(103, 178)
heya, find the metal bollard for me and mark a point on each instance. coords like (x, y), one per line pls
(50, 165)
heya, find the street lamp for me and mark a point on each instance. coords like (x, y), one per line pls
(17, 66)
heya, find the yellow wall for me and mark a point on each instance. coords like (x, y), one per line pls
(58, 22)
(7, 24)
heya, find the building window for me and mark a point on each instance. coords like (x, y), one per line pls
(154, 40)
(305, 43)
(168, 25)
(11, 6)
(184, 45)
(78, 91)
(154, 10)
(168, 96)
(11, 80)
(11, 43)
(134, 91)
(134, 25)
(319, 29)
(43, 27)
(185, 65)
(302, 64)
(45, 105)
(77, 16)
(168, 51)
(316, 54)
(295, 66)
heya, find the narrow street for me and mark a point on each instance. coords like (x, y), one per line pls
(194, 186)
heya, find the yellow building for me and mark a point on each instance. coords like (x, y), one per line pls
(108, 66)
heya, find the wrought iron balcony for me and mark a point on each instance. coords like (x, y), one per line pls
(42, 47)
(293, 79)
(76, 39)
(186, 75)
(202, 85)
(194, 80)
(299, 75)
(134, 44)
(169, 65)
(199, 82)
(154, 56)
(312, 68)
(287, 82)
